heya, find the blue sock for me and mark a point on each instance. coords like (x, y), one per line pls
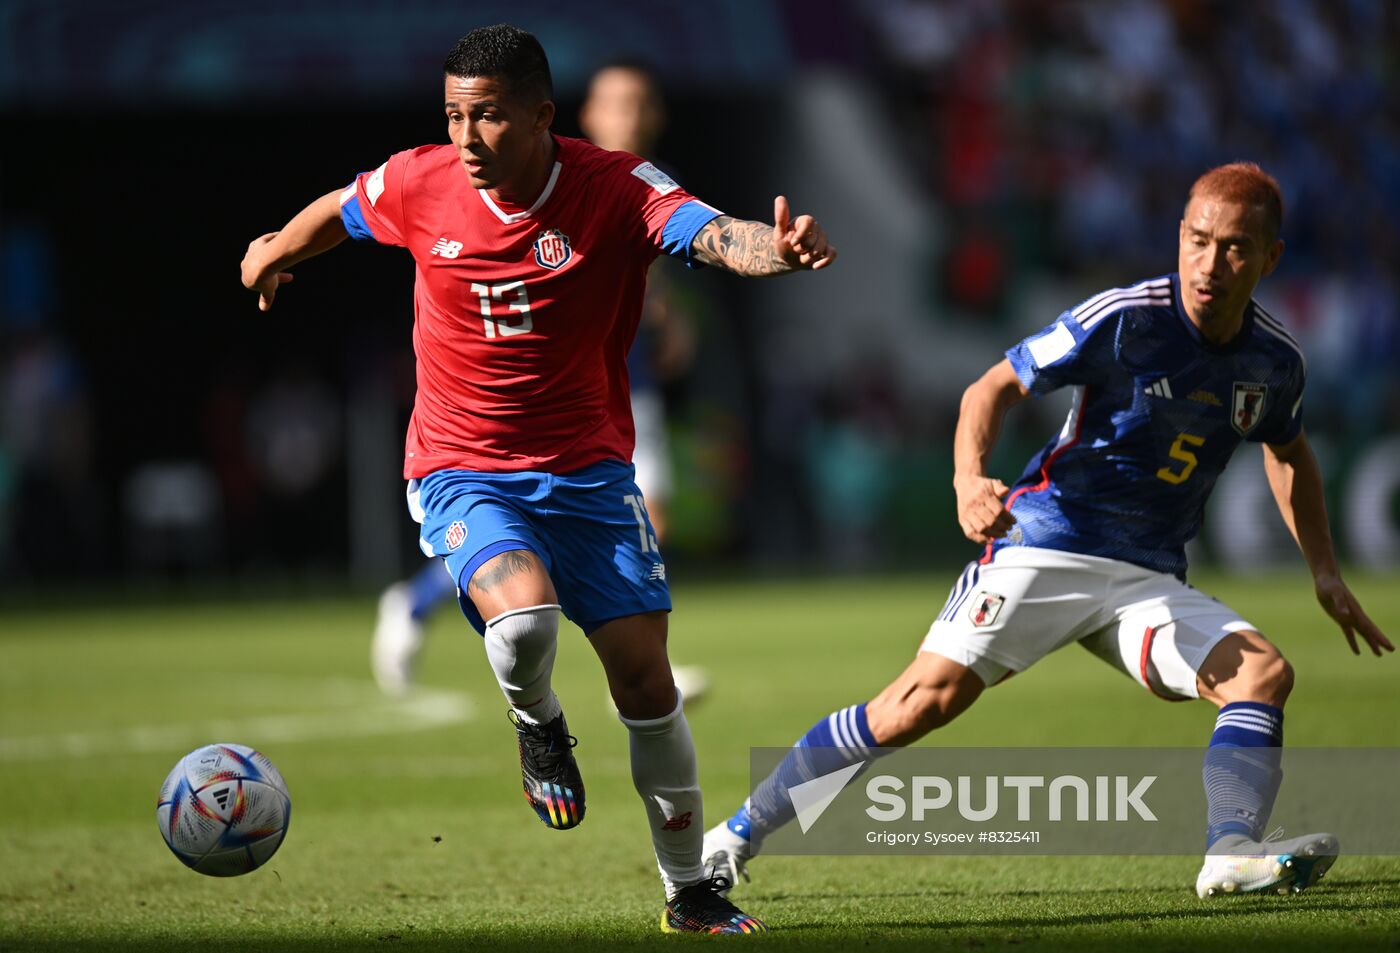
(840, 739)
(429, 588)
(1242, 770)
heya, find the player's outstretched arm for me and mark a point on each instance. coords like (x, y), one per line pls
(1296, 483)
(315, 229)
(981, 513)
(756, 250)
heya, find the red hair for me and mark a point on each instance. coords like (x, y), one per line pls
(1247, 184)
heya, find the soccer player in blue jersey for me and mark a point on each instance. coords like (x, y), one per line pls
(1169, 377)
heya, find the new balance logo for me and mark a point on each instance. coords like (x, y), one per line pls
(1161, 388)
(658, 571)
(446, 249)
(221, 796)
(678, 823)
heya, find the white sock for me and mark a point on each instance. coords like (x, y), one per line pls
(663, 770)
(520, 645)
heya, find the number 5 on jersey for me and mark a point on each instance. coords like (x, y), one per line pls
(507, 292)
(1179, 452)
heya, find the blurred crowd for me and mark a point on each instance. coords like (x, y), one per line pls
(1059, 134)
(1054, 140)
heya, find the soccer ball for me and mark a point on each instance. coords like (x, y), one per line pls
(223, 810)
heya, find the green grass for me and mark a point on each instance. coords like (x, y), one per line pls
(416, 838)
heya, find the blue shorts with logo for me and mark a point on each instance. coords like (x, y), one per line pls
(590, 529)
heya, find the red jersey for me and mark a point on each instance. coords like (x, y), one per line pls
(523, 317)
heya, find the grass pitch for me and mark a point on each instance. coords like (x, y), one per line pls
(408, 828)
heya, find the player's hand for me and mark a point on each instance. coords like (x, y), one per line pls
(255, 275)
(800, 242)
(981, 513)
(1338, 602)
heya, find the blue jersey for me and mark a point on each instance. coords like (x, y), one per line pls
(1157, 412)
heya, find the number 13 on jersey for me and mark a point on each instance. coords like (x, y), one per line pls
(511, 293)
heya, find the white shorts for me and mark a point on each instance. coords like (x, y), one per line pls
(1005, 616)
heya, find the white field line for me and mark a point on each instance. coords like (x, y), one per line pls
(347, 714)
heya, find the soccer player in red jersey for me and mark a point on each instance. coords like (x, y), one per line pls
(531, 252)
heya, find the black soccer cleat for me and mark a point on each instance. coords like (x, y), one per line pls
(702, 908)
(553, 785)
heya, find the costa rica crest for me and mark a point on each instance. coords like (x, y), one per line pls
(552, 249)
(1247, 406)
(456, 534)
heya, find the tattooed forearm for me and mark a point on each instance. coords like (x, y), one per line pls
(740, 246)
(500, 568)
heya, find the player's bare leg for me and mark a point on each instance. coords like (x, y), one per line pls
(1249, 680)
(1245, 667)
(929, 694)
(516, 597)
(509, 581)
(633, 652)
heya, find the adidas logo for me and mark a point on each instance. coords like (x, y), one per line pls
(1161, 388)
(222, 796)
(678, 823)
(446, 248)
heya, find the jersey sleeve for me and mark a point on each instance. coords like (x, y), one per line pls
(372, 206)
(1283, 419)
(1064, 354)
(669, 216)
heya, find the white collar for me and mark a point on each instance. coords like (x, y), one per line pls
(521, 216)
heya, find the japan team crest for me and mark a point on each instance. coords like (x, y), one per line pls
(552, 249)
(1248, 405)
(985, 608)
(456, 534)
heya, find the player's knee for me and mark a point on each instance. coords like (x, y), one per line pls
(1275, 678)
(644, 694)
(642, 685)
(1264, 677)
(521, 644)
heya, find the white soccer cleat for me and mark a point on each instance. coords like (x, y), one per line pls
(398, 637)
(693, 682)
(1281, 867)
(725, 854)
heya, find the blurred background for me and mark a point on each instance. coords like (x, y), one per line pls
(981, 165)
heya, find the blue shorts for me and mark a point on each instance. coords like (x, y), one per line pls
(590, 529)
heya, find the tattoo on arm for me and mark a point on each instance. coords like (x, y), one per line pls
(500, 568)
(740, 246)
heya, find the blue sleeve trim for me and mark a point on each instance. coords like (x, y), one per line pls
(682, 227)
(354, 220)
(1023, 366)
